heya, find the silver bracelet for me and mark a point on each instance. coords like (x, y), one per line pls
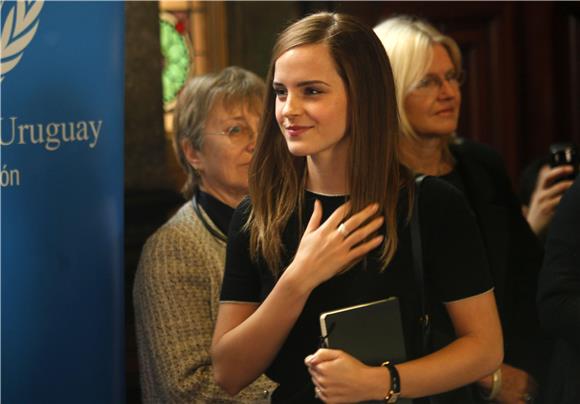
(495, 386)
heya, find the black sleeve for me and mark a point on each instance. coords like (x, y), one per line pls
(241, 281)
(515, 257)
(559, 286)
(526, 347)
(455, 262)
(525, 256)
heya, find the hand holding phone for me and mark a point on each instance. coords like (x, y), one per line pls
(562, 154)
(551, 184)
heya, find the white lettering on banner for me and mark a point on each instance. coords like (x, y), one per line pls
(52, 135)
(9, 178)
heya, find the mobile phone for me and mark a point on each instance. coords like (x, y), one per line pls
(565, 154)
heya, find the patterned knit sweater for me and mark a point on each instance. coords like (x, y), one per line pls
(176, 298)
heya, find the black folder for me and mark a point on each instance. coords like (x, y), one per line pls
(371, 332)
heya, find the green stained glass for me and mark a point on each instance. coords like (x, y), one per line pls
(176, 60)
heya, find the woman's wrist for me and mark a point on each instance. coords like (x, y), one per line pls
(485, 383)
(379, 383)
(292, 281)
(395, 383)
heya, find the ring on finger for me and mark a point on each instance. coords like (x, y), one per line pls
(342, 230)
(316, 392)
(528, 398)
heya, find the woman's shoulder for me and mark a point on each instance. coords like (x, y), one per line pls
(439, 193)
(179, 246)
(441, 205)
(485, 166)
(182, 230)
(474, 151)
(179, 222)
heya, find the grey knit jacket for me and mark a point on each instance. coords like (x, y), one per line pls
(176, 298)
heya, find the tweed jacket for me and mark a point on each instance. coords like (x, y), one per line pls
(176, 298)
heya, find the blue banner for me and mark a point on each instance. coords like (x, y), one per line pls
(61, 177)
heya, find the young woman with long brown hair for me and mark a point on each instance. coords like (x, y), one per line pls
(326, 227)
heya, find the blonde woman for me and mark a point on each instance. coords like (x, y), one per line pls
(428, 75)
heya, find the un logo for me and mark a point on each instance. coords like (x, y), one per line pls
(18, 29)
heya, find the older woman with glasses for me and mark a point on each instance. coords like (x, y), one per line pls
(178, 280)
(427, 70)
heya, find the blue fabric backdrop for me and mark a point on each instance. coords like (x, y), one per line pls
(62, 202)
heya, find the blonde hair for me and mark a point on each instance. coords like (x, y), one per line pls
(374, 173)
(232, 86)
(409, 43)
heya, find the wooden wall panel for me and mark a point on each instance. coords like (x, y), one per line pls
(568, 70)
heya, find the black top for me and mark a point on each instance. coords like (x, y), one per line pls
(454, 261)
(559, 297)
(513, 251)
(454, 178)
(219, 213)
(559, 294)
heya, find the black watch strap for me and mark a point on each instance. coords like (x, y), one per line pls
(395, 390)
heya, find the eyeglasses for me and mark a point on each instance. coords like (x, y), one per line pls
(239, 135)
(431, 83)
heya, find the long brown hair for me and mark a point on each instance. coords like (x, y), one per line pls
(374, 173)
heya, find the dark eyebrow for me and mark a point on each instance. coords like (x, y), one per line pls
(303, 83)
(311, 82)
